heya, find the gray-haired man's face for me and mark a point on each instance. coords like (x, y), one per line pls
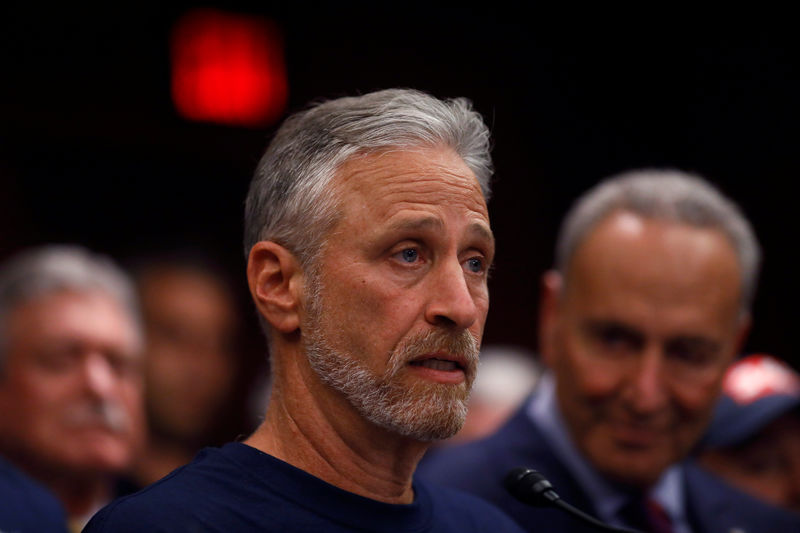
(403, 291)
(70, 395)
(639, 338)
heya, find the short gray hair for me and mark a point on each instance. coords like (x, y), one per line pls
(669, 195)
(55, 268)
(290, 200)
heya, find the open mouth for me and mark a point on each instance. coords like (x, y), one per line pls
(438, 364)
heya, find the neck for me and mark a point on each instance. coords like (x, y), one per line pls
(314, 428)
(81, 496)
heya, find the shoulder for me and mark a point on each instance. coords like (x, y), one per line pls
(479, 467)
(716, 505)
(461, 465)
(27, 505)
(460, 511)
(168, 501)
(190, 496)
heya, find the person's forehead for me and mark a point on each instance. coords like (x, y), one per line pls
(69, 313)
(650, 247)
(673, 277)
(178, 277)
(187, 293)
(394, 177)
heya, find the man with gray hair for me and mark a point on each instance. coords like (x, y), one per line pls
(368, 244)
(648, 305)
(70, 383)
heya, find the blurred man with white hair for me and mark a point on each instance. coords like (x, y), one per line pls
(648, 305)
(71, 410)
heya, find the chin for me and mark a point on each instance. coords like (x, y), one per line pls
(108, 463)
(108, 457)
(635, 470)
(629, 466)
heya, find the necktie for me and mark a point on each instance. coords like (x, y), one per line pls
(645, 514)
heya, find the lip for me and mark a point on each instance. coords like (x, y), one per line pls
(455, 375)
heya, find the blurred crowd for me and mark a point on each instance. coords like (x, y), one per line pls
(112, 378)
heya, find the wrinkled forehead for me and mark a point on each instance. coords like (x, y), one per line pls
(69, 313)
(417, 173)
(670, 276)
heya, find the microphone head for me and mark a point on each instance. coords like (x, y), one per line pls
(530, 487)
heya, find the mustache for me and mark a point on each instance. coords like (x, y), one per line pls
(462, 344)
(109, 415)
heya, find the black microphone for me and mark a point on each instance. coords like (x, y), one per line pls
(532, 488)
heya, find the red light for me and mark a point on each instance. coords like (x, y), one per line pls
(228, 68)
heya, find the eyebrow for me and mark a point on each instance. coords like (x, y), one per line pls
(428, 223)
(482, 231)
(417, 224)
(599, 327)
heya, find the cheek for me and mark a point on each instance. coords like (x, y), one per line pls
(45, 396)
(130, 393)
(482, 303)
(168, 369)
(695, 400)
(370, 319)
(133, 404)
(588, 375)
(36, 404)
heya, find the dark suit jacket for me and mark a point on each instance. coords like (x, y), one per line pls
(480, 467)
(25, 505)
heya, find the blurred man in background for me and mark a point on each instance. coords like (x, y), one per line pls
(70, 374)
(754, 438)
(191, 359)
(648, 305)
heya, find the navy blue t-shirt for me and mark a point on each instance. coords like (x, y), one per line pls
(27, 506)
(239, 488)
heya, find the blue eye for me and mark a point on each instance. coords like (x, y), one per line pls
(409, 255)
(475, 264)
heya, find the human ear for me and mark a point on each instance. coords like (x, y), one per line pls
(549, 303)
(275, 280)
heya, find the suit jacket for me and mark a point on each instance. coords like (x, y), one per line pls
(25, 505)
(480, 467)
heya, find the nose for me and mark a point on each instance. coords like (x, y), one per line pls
(99, 377)
(646, 387)
(451, 302)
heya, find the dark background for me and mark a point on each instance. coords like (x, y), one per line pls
(92, 151)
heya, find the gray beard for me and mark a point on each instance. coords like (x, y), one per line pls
(425, 411)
